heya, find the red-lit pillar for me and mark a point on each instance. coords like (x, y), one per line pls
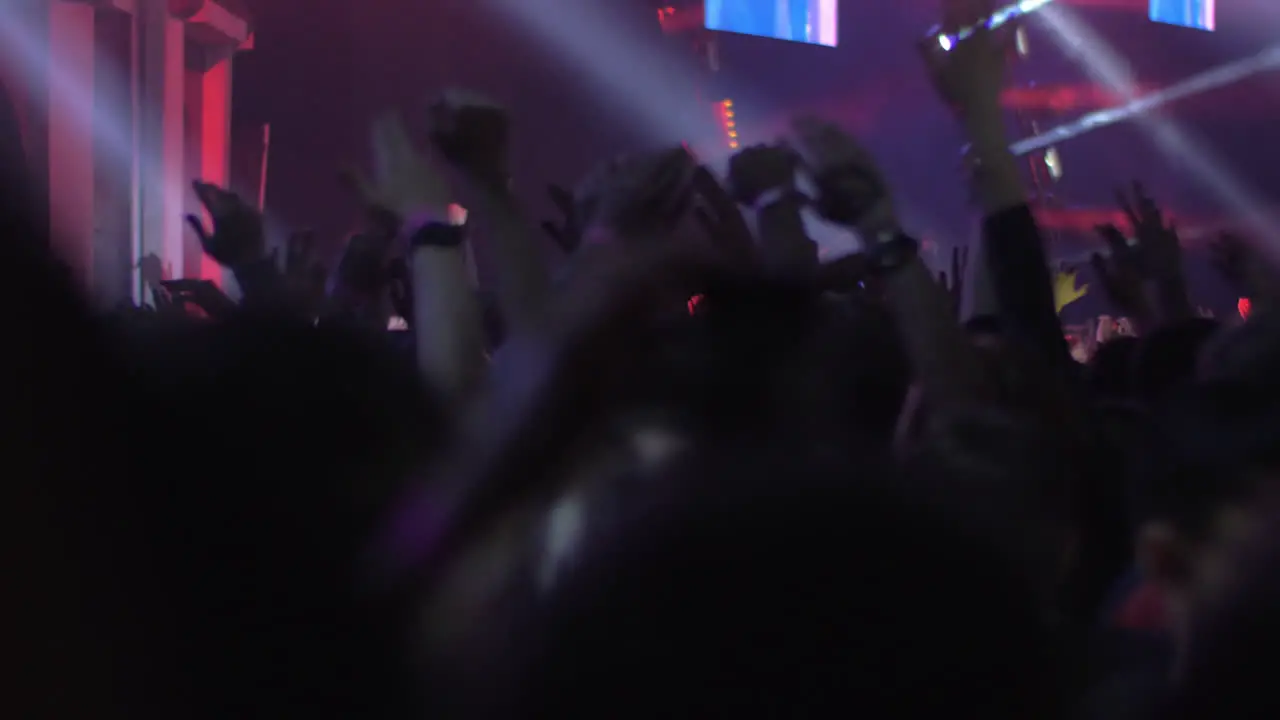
(215, 35)
(185, 113)
(106, 90)
(215, 139)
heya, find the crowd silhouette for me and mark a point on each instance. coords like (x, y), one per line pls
(698, 473)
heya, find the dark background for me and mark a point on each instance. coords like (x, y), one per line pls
(324, 68)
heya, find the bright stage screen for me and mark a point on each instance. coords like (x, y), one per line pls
(808, 21)
(1197, 14)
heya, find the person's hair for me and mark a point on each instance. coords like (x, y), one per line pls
(861, 357)
(1167, 358)
(837, 362)
(1007, 478)
(1206, 447)
(268, 451)
(984, 325)
(1110, 372)
(214, 485)
(1229, 671)
(812, 590)
(1246, 353)
(1122, 432)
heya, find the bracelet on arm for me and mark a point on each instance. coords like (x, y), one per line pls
(890, 254)
(438, 234)
(429, 229)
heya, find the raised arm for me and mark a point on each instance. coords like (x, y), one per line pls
(474, 136)
(969, 78)
(448, 334)
(853, 192)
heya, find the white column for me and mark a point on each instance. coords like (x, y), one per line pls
(70, 123)
(162, 178)
(113, 253)
(174, 173)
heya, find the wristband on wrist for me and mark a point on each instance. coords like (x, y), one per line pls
(888, 256)
(438, 234)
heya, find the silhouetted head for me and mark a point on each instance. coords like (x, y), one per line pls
(814, 593)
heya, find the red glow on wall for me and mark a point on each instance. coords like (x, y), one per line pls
(1243, 306)
(1082, 220)
(1087, 219)
(1062, 98)
(675, 21)
(214, 145)
(185, 9)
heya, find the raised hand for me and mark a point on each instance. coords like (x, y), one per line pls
(1065, 291)
(405, 183)
(1154, 257)
(1119, 272)
(473, 134)
(1158, 250)
(760, 169)
(969, 77)
(852, 188)
(237, 238)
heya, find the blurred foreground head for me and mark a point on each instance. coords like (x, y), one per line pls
(1229, 671)
(803, 590)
